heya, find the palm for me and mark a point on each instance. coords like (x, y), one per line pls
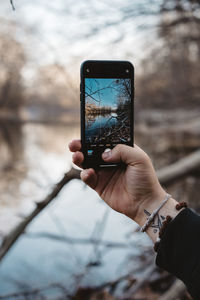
(120, 188)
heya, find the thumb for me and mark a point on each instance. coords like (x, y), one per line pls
(125, 154)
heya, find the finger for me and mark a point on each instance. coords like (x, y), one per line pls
(104, 176)
(74, 145)
(78, 158)
(125, 154)
(89, 177)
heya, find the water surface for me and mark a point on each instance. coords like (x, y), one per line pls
(56, 247)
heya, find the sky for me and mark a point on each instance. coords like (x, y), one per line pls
(108, 96)
(68, 31)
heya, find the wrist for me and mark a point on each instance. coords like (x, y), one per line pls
(149, 206)
(169, 209)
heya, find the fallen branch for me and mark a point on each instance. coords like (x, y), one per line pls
(71, 240)
(10, 239)
(183, 167)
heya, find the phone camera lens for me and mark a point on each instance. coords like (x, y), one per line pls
(127, 70)
(87, 70)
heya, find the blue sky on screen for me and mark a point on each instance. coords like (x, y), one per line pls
(108, 95)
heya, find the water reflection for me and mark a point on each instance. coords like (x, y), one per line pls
(33, 158)
(11, 145)
(113, 127)
(98, 120)
(37, 259)
(13, 167)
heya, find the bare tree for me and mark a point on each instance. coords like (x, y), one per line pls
(12, 60)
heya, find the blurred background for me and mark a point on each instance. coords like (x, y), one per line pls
(77, 247)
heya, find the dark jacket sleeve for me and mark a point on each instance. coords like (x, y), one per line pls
(179, 250)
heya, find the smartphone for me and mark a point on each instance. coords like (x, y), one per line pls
(107, 97)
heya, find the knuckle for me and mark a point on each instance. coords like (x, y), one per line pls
(146, 158)
(119, 147)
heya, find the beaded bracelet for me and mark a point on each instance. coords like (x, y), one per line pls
(165, 224)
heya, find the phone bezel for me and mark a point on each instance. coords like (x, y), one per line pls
(103, 69)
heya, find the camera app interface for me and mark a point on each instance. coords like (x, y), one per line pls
(107, 113)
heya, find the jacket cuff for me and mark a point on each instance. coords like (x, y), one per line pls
(179, 249)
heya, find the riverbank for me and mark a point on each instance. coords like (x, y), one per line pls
(30, 115)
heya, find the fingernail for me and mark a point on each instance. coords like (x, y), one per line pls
(107, 153)
(84, 174)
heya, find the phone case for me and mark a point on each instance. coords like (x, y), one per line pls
(99, 163)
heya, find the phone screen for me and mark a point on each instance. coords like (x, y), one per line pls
(107, 112)
(107, 109)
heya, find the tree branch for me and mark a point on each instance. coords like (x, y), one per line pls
(10, 239)
(179, 169)
(72, 240)
(12, 4)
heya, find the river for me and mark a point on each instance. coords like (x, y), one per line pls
(57, 246)
(34, 158)
(96, 123)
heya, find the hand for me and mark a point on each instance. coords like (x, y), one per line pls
(127, 190)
